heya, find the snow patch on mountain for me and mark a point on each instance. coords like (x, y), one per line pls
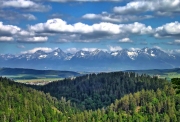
(56, 53)
(152, 54)
(114, 53)
(42, 56)
(132, 55)
(82, 54)
(69, 57)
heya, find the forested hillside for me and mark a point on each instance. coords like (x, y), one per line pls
(21, 104)
(162, 105)
(176, 84)
(95, 91)
(153, 100)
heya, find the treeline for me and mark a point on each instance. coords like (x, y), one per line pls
(94, 91)
(22, 104)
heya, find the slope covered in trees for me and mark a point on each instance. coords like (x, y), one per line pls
(161, 105)
(95, 91)
(18, 103)
(22, 104)
(176, 84)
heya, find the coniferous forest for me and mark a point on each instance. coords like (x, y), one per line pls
(97, 91)
(104, 97)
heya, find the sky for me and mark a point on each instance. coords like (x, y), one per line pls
(73, 25)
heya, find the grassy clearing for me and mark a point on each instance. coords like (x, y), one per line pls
(170, 75)
(161, 73)
(27, 78)
(38, 80)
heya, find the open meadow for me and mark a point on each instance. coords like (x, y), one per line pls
(161, 73)
(36, 77)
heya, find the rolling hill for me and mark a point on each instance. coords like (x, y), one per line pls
(18, 71)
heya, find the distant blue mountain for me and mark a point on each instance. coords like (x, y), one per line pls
(98, 60)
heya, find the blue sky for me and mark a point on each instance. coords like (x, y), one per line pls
(72, 25)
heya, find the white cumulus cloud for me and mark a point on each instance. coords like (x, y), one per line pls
(87, 32)
(58, 25)
(6, 39)
(24, 4)
(125, 40)
(161, 7)
(18, 3)
(14, 16)
(136, 28)
(168, 30)
(8, 29)
(115, 17)
(91, 16)
(84, 0)
(35, 39)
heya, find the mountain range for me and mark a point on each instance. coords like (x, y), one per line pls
(97, 60)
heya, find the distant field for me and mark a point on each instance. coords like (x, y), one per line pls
(170, 75)
(45, 76)
(161, 73)
(39, 80)
(22, 78)
(35, 76)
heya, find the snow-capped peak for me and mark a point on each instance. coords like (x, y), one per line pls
(39, 52)
(97, 58)
(132, 54)
(95, 52)
(58, 50)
